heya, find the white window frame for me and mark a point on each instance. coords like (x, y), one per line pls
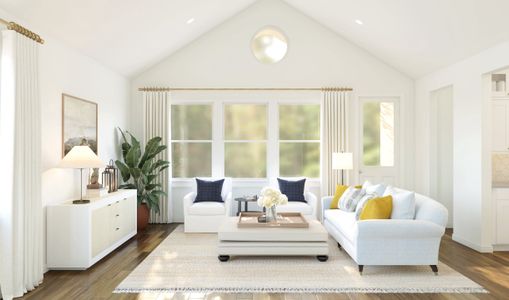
(266, 141)
(218, 155)
(279, 141)
(211, 141)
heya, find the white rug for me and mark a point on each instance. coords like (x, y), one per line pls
(188, 263)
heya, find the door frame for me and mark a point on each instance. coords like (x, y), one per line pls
(358, 164)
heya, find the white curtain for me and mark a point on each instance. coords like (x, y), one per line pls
(21, 223)
(334, 135)
(156, 120)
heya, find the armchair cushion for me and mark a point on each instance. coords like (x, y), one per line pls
(207, 209)
(296, 206)
(209, 191)
(294, 190)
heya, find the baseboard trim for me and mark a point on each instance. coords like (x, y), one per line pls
(500, 247)
(469, 244)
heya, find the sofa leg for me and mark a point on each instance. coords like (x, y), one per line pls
(339, 245)
(434, 268)
(361, 268)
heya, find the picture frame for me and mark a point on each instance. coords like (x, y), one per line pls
(80, 121)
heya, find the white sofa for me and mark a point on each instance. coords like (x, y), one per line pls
(389, 242)
(207, 216)
(308, 208)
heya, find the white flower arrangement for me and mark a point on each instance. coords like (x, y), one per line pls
(271, 197)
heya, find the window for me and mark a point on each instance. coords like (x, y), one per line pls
(191, 133)
(378, 134)
(299, 140)
(245, 140)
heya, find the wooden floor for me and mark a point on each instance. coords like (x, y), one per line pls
(489, 270)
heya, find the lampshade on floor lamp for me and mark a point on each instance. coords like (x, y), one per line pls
(81, 157)
(342, 161)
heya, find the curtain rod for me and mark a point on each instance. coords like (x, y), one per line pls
(22, 30)
(168, 89)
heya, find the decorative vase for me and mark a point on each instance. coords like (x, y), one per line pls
(143, 215)
(271, 214)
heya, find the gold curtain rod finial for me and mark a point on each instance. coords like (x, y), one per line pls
(23, 31)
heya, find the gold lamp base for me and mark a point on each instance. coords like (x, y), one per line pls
(81, 201)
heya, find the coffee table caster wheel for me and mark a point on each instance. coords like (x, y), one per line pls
(223, 258)
(322, 258)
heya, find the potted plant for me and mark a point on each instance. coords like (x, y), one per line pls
(139, 170)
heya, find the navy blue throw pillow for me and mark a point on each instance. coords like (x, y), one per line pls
(209, 191)
(294, 190)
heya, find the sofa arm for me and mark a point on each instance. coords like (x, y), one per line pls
(326, 201)
(396, 229)
(228, 203)
(188, 201)
(312, 201)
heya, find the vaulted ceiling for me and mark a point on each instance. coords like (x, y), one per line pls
(414, 36)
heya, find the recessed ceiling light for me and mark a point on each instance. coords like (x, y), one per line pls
(190, 21)
(359, 22)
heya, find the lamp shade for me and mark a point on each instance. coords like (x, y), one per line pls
(81, 157)
(342, 161)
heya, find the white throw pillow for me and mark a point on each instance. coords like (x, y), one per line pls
(370, 188)
(403, 203)
(350, 198)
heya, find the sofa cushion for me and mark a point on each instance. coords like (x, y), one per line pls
(296, 206)
(370, 188)
(207, 209)
(350, 198)
(209, 191)
(340, 190)
(403, 203)
(377, 208)
(345, 222)
(294, 190)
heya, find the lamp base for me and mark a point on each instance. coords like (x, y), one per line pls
(82, 201)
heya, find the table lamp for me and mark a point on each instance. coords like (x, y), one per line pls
(342, 161)
(81, 157)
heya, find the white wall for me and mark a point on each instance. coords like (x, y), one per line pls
(63, 70)
(472, 142)
(316, 57)
(441, 147)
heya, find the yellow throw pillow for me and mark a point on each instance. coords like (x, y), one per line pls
(377, 208)
(340, 189)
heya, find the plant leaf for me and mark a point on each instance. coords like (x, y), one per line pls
(124, 170)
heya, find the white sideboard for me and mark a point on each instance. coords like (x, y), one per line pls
(79, 235)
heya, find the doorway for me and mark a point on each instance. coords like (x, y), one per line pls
(441, 148)
(379, 125)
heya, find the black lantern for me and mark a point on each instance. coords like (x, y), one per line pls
(110, 177)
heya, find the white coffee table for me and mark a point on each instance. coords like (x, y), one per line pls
(256, 241)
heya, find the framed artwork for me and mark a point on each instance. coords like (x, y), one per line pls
(79, 123)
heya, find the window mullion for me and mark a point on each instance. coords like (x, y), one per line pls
(218, 139)
(272, 140)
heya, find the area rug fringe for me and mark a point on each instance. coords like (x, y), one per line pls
(463, 290)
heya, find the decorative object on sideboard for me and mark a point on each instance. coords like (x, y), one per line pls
(140, 171)
(93, 182)
(81, 157)
(79, 123)
(110, 177)
(342, 161)
(269, 200)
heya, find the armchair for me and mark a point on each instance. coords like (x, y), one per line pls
(308, 209)
(207, 216)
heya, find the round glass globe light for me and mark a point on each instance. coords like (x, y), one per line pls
(269, 45)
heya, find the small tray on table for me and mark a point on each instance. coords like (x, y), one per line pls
(285, 219)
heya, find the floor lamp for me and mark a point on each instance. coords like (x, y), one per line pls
(342, 161)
